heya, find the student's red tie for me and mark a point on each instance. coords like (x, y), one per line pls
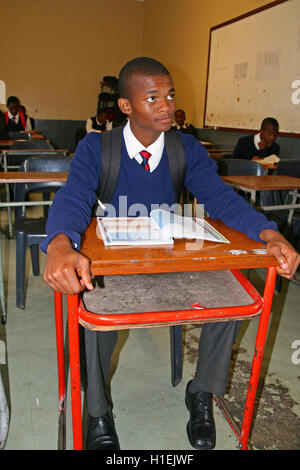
(145, 156)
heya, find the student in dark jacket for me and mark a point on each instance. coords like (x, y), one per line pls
(15, 120)
(182, 125)
(3, 130)
(261, 145)
(98, 123)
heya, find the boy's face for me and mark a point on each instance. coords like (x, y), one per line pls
(13, 108)
(268, 134)
(180, 118)
(102, 117)
(150, 107)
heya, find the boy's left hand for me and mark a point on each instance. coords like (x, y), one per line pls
(283, 251)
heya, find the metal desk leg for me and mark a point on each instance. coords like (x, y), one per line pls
(176, 354)
(75, 370)
(258, 355)
(2, 293)
(61, 370)
(10, 231)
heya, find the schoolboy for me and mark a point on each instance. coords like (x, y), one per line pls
(98, 123)
(147, 96)
(182, 125)
(260, 145)
(16, 121)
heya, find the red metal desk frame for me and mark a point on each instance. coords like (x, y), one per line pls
(105, 261)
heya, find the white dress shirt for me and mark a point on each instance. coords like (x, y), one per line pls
(257, 139)
(133, 147)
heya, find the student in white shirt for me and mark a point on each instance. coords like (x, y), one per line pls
(98, 123)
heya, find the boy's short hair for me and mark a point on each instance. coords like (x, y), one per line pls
(269, 121)
(12, 99)
(138, 66)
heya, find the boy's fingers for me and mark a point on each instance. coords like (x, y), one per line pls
(282, 260)
(85, 274)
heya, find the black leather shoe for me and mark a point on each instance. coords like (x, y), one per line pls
(101, 433)
(201, 428)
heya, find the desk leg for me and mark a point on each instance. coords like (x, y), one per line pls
(75, 370)
(2, 293)
(10, 232)
(253, 197)
(61, 370)
(257, 357)
(291, 212)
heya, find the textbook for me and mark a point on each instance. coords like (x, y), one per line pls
(159, 229)
(270, 159)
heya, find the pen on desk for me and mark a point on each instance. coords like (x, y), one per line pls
(101, 204)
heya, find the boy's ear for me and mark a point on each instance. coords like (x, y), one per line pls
(124, 105)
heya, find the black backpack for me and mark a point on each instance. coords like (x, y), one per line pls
(111, 149)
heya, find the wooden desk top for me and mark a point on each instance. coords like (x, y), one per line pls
(32, 176)
(206, 144)
(225, 150)
(6, 143)
(240, 253)
(266, 182)
(32, 151)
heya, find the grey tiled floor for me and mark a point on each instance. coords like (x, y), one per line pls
(149, 412)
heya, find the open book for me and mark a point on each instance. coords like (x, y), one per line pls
(158, 229)
(270, 159)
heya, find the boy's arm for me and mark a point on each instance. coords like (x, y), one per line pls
(68, 218)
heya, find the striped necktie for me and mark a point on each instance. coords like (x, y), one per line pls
(145, 156)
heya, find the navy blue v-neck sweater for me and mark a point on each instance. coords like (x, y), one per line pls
(70, 212)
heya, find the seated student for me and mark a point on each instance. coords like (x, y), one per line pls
(14, 118)
(147, 97)
(98, 123)
(182, 125)
(261, 145)
(3, 130)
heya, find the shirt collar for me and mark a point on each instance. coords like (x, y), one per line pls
(185, 125)
(134, 146)
(11, 116)
(257, 139)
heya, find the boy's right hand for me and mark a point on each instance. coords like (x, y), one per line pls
(62, 267)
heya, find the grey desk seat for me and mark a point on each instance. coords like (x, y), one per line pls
(165, 291)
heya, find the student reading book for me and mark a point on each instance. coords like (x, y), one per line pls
(147, 96)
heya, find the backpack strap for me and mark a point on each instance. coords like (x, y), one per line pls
(177, 161)
(111, 150)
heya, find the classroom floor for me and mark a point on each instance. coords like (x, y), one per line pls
(149, 412)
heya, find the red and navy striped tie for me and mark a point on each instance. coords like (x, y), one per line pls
(145, 156)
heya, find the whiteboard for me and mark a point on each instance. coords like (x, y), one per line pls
(254, 70)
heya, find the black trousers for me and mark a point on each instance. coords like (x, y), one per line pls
(215, 348)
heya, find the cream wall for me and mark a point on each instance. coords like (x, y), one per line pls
(177, 33)
(53, 53)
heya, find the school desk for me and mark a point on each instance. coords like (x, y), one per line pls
(24, 177)
(4, 160)
(6, 143)
(5, 154)
(252, 184)
(241, 253)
